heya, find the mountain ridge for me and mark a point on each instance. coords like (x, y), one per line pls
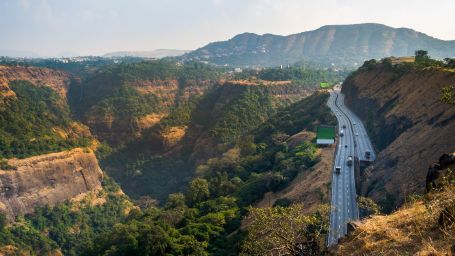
(338, 44)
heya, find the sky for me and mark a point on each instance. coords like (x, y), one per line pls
(95, 27)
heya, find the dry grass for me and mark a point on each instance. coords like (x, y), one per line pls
(149, 120)
(173, 135)
(411, 230)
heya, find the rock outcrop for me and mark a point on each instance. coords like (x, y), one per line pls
(440, 172)
(407, 123)
(47, 179)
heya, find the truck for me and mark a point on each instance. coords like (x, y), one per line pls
(349, 160)
(337, 169)
(367, 154)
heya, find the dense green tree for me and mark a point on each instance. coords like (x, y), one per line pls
(421, 55)
(198, 190)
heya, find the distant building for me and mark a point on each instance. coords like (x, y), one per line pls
(324, 85)
(325, 135)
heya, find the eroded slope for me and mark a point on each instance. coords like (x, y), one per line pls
(407, 122)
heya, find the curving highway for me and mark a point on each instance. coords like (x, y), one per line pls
(354, 143)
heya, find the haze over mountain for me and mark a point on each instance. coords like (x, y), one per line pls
(156, 54)
(338, 44)
(18, 53)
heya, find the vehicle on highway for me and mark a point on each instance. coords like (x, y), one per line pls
(344, 126)
(353, 123)
(337, 169)
(367, 154)
(349, 160)
(341, 133)
(345, 146)
(356, 134)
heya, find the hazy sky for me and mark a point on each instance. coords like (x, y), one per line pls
(50, 27)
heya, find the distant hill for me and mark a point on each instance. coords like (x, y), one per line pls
(156, 54)
(339, 44)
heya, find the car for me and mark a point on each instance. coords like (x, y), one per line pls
(337, 169)
(344, 126)
(353, 123)
(356, 134)
(345, 146)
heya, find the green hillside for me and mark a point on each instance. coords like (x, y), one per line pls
(29, 123)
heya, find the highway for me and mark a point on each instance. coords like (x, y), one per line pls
(354, 143)
(361, 136)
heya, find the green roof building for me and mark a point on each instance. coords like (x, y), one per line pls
(324, 85)
(325, 135)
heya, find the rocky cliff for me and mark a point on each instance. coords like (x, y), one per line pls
(407, 122)
(123, 128)
(47, 179)
(54, 79)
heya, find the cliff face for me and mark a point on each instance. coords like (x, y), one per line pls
(123, 128)
(408, 125)
(54, 79)
(47, 179)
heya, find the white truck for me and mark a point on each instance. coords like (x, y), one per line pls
(349, 160)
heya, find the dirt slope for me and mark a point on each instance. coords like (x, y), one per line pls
(407, 122)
